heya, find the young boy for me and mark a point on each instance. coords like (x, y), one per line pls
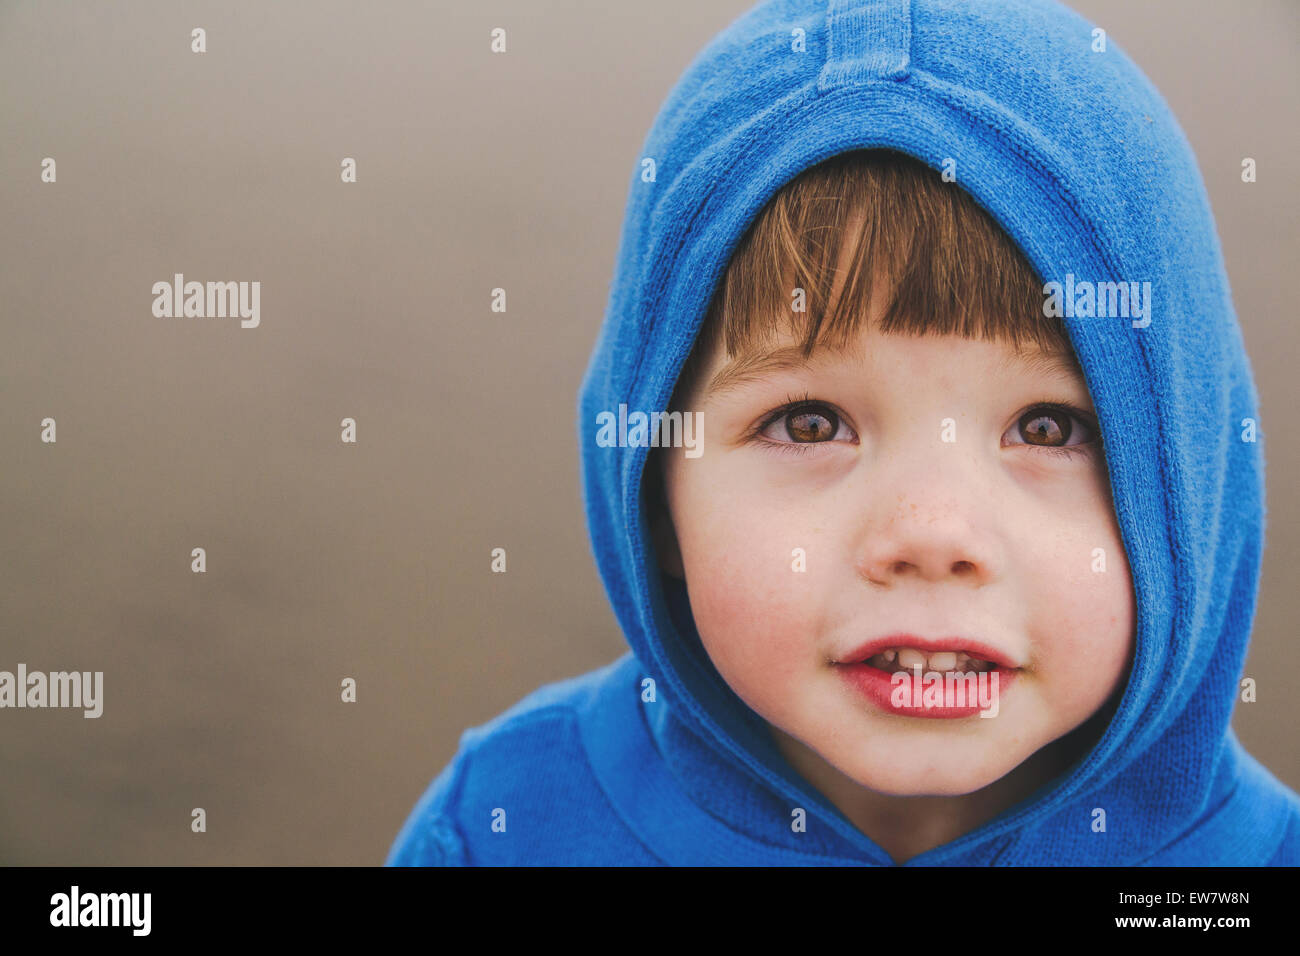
(947, 549)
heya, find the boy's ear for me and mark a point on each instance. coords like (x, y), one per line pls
(662, 533)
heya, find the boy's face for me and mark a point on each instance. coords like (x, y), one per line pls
(979, 528)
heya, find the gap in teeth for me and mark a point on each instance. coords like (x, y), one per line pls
(908, 658)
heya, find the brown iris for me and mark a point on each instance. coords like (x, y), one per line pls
(1045, 426)
(811, 424)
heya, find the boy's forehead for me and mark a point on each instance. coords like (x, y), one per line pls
(756, 364)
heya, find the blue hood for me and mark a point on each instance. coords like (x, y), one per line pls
(1079, 159)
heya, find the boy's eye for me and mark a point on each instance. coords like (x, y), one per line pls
(802, 424)
(1052, 427)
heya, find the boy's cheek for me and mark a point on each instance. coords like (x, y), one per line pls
(749, 607)
(1087, 644)
(751, 615)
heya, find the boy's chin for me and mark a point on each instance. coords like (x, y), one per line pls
(922, 781)
(924, 774)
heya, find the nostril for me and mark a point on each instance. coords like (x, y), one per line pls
(963, 567)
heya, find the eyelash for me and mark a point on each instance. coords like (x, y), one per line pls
(794, 402)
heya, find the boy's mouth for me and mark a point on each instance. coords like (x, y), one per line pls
(905, 652)
(909, 658)
(962, 677)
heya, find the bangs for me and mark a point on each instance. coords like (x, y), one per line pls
(873, 233)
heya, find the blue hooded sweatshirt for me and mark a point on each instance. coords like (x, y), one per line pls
(1076, 155)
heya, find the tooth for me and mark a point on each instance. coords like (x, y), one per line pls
(890, 654)
(963, 661)
(943, 661)
(908, 658)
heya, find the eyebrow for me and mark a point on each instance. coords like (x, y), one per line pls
(746, 368)
(1063, 363)
(790, 358)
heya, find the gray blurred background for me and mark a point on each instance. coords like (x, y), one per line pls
(371, 561)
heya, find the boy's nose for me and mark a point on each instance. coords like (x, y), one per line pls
(930, 542)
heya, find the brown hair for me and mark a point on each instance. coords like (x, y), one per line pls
(943, 265)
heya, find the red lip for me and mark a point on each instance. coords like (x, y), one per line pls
(879, 688)
(975, 649)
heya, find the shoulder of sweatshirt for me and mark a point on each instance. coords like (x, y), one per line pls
(1288, 850)
(520, 790)
(1282, 816)
(1257, 824)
